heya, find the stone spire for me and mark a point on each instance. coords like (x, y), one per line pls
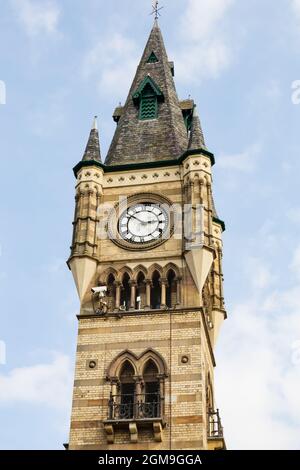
(196, 137)
(148, 140)
(92, 151)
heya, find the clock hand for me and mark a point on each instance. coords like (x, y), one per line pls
(139, 220)
(142, 221)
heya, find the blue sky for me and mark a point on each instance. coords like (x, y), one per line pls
(64, 61)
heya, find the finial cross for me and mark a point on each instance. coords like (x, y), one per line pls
(156, 9)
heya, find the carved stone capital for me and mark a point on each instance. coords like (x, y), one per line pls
(163, 281)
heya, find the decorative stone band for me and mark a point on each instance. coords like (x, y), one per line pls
(144, 165)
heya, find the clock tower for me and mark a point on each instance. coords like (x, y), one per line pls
(146, 257)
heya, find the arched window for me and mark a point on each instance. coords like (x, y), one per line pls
(127, 391)
(140, 291)
(155, 291)
(111, 291)
(171, 291)
(137, 386)
(125, 292)
(152, 390)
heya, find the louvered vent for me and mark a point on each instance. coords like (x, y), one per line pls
(148, 108)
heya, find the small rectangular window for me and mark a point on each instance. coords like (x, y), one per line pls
(148, 108)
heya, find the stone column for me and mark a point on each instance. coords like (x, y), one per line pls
(161, 379)
(114, 386)
(209, 204)
(148, 283)
(75, 223)
(118, 294)
(163, 283)
(178, 280)
(221, 276)
(133, 294)
(96, 222)
(138, 395)
(113, 396)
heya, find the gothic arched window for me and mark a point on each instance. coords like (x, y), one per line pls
(111, 291)
(140, 291)
(152, 390)
(155, 291)
(127, 390)
(125, 292)
(137, 386)
(171, 291)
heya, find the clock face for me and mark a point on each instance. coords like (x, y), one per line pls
(142, 223)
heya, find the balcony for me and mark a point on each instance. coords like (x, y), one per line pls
(215, 434)
(133, 411)
(137, 407)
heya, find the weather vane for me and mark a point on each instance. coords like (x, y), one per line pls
(156, 10)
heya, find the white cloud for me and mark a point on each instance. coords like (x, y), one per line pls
(202, 17)
(244, 162)
(205, 49)
(259, 273)
(112, 61)
(36, 16)
(259, 369)
(42, 384)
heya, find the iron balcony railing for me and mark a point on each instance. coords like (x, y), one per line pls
(215, 428)
(124, 407)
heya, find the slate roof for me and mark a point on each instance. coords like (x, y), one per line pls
(196, 140)
(92, 150)
(159, 139)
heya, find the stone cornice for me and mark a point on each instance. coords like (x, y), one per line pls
(144, 165)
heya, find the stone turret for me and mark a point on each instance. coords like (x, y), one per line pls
(89, 190)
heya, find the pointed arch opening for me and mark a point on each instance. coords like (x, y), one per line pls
(155, 291)
(171, 290)
(125, 292)
(140, 291)
(111, 291)
(127, 390)
(137, 386)
(151, 389)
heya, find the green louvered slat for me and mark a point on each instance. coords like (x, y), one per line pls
(148, 108)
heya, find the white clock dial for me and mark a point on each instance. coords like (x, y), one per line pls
(143, 223)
